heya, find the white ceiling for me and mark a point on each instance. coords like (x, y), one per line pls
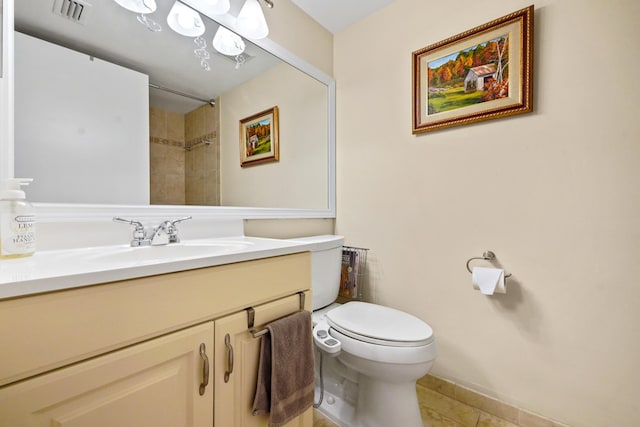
(336, 15)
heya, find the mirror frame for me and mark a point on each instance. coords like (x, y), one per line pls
(62, 212)
(6, 91)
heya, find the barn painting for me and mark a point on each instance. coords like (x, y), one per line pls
(474, 75)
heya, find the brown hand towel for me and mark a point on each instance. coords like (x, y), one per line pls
(285, 374)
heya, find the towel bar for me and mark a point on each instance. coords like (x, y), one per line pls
(251, 317)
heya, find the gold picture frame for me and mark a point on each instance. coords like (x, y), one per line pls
(259, 139)
(482, 74)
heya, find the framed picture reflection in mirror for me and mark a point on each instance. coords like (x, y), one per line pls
(259, 138)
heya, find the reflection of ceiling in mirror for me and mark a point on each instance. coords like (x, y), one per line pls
(113, 33)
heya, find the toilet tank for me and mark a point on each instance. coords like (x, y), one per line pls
(326, 258)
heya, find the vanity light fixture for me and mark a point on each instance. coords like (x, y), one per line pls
(251, 21)
(184, 20)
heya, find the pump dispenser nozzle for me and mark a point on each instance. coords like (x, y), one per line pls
(10, 188)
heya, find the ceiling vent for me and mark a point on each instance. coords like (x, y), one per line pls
(245, 57)
(74, 10)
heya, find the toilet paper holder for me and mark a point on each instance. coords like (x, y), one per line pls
(487, 256)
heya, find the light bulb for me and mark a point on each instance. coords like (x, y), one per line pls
(227, 42)
(186, 21)
(251, 21)
(138, 6)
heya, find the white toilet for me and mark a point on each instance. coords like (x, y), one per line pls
(380, 352)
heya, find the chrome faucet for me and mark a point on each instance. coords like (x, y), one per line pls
(163, 234)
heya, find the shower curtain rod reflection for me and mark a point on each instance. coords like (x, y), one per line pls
(166, 89)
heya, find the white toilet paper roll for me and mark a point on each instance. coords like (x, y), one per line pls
(488, 280)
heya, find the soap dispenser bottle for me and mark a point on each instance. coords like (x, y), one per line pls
(17, 220)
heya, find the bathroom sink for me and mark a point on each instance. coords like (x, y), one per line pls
(163, 253)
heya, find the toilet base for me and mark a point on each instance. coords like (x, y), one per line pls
(352, 399)
(382, 404)
(337, 409)
(378, 404)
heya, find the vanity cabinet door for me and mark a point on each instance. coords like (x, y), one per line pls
(155, 383)
(235, 383)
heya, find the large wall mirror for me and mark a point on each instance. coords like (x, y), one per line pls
(110, 112)
(1, 37)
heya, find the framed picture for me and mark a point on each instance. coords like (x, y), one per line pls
(259, 138)
(484, 73)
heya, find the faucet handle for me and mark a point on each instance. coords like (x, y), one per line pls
(135, 223)
(175, 221)
(139, 234)
(172, 230)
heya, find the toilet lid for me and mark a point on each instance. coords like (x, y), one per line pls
(379, 325)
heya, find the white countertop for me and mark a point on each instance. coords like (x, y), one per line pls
(48, 271)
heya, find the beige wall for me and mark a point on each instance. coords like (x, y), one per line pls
(299, 178)
(555, 194)
(293, 29)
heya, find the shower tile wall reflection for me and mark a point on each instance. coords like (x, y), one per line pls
(167, 160)
(185, 154)
(203, 157)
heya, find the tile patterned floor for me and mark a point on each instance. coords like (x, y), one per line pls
(446, 404)
(456, 414)
(320, 420)
(430, 418)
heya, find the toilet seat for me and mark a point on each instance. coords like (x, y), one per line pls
(379, 325)
(399, 355)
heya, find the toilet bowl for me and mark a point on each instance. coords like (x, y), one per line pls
(390, 350)
(379, 352)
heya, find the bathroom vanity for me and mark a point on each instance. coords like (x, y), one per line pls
(171, 349)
